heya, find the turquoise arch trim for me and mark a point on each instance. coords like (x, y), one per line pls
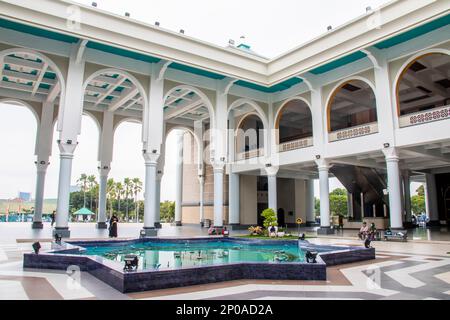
(275, 88)
(358, 55)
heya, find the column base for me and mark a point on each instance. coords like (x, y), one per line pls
(62, 232)
(158, 225)
(325, 231)
(311, 224)
(37, 225)
(177, 224)
(102, 225)
(148, 232)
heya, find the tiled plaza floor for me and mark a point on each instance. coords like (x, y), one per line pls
(418, 269)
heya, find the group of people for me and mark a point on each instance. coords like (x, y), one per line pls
(366, 232)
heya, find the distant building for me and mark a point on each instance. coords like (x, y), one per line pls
(25, 196)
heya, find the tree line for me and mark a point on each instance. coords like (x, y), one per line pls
(122, 199)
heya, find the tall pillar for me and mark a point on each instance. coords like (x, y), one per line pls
(105, 154)
(201, 181)
(323, 166)
(272, 172)
(431, 198)
(65, 173)
(157, 217)
(407, 196)
(218, 195)
(179, 179)
(151, 163)
(39, 195)
(350, 204)
(310, 202)
(69, 127)
(363, 208)
(394, 187)
(42, 152)
(103, 182)
(233, 195)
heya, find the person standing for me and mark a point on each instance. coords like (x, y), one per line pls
(113, 226)
(53, 217)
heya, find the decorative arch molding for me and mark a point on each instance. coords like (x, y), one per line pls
(201, 94)
(279, 112)
(336, 90)
(126, 119)
(405, 67)
(94, 118)
(197, 139)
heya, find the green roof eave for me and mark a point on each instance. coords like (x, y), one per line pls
(122, 52)
(37, 31)
(199, 72)
(358, 55)
(275, 88)
(414, 33)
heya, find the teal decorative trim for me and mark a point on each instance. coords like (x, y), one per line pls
(37, 31)
(414, 33)
(196, 71)
(122, 52)
(339, 62)
(275, 88)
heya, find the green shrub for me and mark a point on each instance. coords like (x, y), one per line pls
(270, 218)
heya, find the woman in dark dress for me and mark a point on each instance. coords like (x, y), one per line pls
(113, 226)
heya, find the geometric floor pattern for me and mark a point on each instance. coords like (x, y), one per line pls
(400, 271)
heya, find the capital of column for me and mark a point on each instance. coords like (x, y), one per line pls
(67, 147)
(159, 174)
(323, 164)
(271, 170)
(151, 159)
(104, 169)
(42, 165)
(391, 154)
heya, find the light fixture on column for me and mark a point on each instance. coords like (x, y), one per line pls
(268, 165)
(386, 145)
(42, 162)
(154, 151)
(318, 156)
(69, 141)
(222, 159)
(144, 151)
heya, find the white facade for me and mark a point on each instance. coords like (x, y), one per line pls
(128, 72)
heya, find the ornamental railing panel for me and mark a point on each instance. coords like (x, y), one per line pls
(353, 132)
(249, 154)
(422, 117)
(296, 144)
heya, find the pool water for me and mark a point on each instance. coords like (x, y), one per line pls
(164, 256)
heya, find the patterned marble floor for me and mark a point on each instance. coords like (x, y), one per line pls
(413, 270)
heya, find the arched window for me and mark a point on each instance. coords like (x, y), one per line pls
(294, 124)
(353, 104)
(250, 137)
(423, 85)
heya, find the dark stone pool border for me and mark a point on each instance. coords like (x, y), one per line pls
(65, 254)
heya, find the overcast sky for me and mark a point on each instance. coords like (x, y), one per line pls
(270, 27)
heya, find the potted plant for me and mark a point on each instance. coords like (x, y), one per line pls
(270, 221)
(281, 233)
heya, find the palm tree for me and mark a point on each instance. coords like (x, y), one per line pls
(128, 190)
(92, 183)
(137, 187)
(82, 182)
(111, 192)
(119, 193)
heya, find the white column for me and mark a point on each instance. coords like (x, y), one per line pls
(407, 195)
(179, 179)
(65, 172)
(394, 187)
(310, 203)
(151, 163)
(157, 217)
(42, 152)
(233, 195)
(350, 204)
(431, 197)
(363, 208)
(105, 153)
(201, 181)
(272, 186)
(69, 127)
(103, 182)
(324, 167)
(218, 195)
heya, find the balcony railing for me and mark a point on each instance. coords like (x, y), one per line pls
(296, 144)
(353, 132)
(249, 154)
(431, 115)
